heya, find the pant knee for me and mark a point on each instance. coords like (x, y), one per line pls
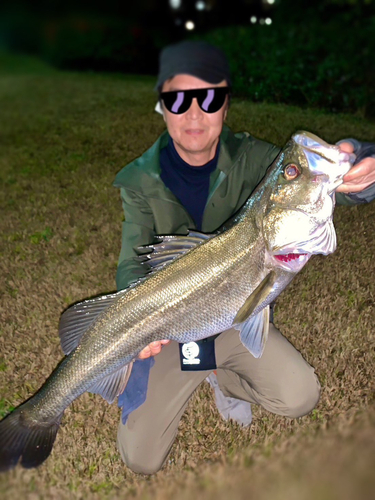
(142, 466)
(140, 460)
(303, 400)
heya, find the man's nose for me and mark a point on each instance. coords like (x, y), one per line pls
(194, 112)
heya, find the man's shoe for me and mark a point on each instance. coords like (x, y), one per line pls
(236, 409)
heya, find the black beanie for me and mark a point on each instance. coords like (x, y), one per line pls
(196, 58)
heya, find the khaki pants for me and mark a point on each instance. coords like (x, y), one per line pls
(281, 381)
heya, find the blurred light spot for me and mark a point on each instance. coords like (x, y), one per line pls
(261, 21)
(268, 21)
(200, 5)
(189, 25)
(178, 21)
(253, 19)
(175, 4)
(271, 2)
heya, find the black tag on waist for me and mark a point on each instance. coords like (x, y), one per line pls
(198, 356)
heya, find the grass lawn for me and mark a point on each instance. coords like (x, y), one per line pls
(63, 137)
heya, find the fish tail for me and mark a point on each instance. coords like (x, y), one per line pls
(23, 438)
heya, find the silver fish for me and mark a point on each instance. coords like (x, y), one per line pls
(199, 285)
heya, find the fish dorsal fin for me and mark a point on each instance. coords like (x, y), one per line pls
(77, 318)
(256, 298)
(168, 248)
(254, 332)
(113, 384)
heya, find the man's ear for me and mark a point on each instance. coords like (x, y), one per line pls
(227, 104)
(159, 109)
(225, 112)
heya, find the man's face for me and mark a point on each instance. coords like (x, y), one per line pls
(195, 133)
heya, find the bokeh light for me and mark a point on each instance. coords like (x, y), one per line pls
(175, 4)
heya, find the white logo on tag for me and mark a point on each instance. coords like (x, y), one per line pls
(190, 352)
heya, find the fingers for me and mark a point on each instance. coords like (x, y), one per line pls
(363, 168)
(347, 147)
(152, 349)
(359, 177)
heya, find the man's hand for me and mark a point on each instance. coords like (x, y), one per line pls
(360, 176)
(152, 349)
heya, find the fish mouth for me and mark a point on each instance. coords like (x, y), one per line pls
(291, 262)
(292, 256)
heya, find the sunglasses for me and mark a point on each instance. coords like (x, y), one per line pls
(210, 100)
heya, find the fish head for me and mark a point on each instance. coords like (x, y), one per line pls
(299, 198)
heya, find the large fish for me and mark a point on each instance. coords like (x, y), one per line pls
(199, 285)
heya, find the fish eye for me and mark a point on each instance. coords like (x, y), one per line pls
(291, 172)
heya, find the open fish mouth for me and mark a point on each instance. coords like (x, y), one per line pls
(292, 262)
(294, 254)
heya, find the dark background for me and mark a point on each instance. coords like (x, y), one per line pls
(315, 53)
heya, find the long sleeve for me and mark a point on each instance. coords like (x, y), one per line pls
(137, 230)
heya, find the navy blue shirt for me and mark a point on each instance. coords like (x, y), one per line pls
(189, 184)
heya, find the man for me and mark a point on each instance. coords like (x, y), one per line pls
(196, 175)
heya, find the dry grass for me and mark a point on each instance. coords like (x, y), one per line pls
(64, 136)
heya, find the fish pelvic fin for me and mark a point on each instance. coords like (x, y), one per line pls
(254, 332)
(23, 439)
(254, 329)
(113, 384)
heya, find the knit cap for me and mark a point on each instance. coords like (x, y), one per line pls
(193, 57)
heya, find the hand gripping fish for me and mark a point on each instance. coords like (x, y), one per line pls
(199, 285)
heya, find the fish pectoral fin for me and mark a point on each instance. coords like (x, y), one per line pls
(254, 329)
(254, 332)
(113, 384)
(168, 248)
(77, 318)
(256, 298)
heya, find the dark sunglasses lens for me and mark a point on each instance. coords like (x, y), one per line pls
(176, 102)
(211, 100)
